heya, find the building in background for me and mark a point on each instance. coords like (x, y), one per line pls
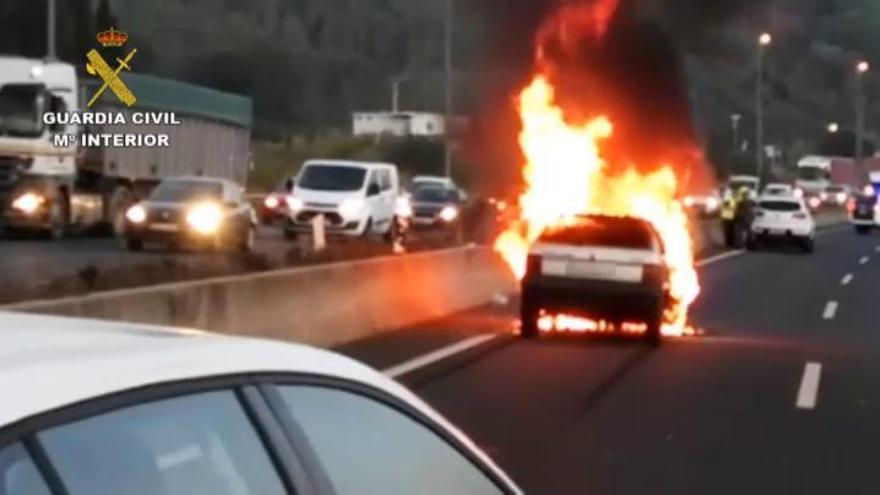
(400, 124)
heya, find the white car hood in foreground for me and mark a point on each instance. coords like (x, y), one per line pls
(50, 362)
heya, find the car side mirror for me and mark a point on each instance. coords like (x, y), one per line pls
(373, 190)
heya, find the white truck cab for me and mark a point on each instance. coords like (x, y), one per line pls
(355, 198)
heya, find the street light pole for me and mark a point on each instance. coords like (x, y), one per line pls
(50, 29)
(734, 121)
(447, 126)
(763, 42)
(861, 69)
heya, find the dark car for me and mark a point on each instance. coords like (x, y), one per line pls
(864, 213)
(607, 270)
(194, 212)
(274, 205)
(435, 207)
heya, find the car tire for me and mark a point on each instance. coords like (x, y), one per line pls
(862, 230)
(134, 244)
(654, 334)
(528, 321)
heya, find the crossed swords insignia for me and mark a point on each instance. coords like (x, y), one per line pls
(97, 65)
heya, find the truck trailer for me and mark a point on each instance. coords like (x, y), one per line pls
(58, 175)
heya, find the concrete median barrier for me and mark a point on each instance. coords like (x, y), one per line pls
(322, 305)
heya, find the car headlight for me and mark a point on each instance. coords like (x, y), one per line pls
(136, 214)
(689, 201)
(823, 196)
(449, 213)
(271, 202)
(295, 204)
(869, 190)
(352, 207)
(712, 204)
(28, 202)
(205, 218)
(841, 198)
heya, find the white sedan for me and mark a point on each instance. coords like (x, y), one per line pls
(100, 408)
(782, 218)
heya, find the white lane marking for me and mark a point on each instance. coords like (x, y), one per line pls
(438, 355)
(720, 257)
(847, 279)
(864, 260)
(830, 310)
(809, 389)
(877, 249)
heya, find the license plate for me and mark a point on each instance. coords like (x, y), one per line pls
(589, 270)
(423, 221)
(164, 227)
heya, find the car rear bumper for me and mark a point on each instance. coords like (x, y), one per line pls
(781, 230)
(615, 301)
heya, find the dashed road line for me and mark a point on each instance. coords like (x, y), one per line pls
(830, 310)
(847, 279)
(438, 355)
(720, 257)
(808, 391)
(864, 260)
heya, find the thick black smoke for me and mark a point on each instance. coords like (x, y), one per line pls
(634, 75)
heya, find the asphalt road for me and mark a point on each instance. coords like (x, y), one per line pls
(782, 394)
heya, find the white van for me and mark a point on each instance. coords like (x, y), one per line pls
(355, 198)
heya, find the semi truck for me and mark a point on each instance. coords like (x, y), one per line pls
(52, 183)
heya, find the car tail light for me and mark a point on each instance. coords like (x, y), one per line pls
(851, 205)
(533, 264)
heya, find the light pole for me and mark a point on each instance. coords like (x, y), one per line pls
(395, 91)
(734, 122)
(862, 68)
(764, 41)
(447, 126)
(50, 29)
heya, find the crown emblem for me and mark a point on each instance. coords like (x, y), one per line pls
(112, 38)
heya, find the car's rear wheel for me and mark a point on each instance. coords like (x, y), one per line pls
(528, 320)
(654, 333)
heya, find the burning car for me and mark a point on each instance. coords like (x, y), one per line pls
(596, 274)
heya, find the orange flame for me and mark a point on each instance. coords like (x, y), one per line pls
(566, 175)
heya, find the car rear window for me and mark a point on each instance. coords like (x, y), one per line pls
(780, 206)
(623, 233)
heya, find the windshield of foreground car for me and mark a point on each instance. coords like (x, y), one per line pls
(780, 206)
(179, 191)
(622, 233)
(332, 178)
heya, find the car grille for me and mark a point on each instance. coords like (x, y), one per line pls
(426, 211)
(332, 217)
(164, 215)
